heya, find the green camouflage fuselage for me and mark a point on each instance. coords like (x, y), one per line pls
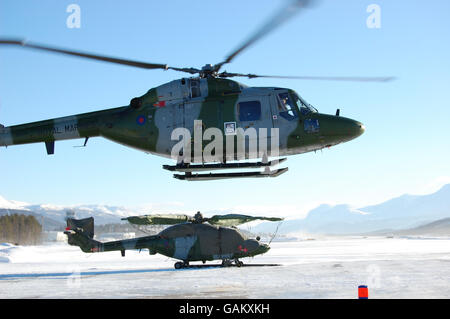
(187, 242)
(148, 122)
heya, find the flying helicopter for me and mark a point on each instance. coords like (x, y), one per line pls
(188, 239)
(205, 122)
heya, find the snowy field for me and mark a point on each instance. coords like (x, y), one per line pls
(325, 268)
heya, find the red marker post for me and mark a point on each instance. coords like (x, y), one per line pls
(363, 292)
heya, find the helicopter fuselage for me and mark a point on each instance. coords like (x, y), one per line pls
(192, 112)
(186, 242)
(201, 242)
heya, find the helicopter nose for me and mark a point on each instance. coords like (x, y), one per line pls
(360, 128)
(353, 128)
(263, 248)
(255, 248)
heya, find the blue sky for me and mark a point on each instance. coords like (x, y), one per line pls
(405, 148)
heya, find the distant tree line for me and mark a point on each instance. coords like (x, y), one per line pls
(20, 229)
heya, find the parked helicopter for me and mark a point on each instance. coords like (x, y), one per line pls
(189, 239)
(206, 121)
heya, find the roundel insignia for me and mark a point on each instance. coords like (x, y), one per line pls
(140, 120)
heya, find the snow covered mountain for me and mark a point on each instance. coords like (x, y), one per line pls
(406, 211)
(103, 214)
(53, 216)
(11, 204)
(438, 228)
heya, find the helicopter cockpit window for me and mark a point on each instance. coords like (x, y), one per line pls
(286, 106)
(195, 88)
(249, 111)
(243, 237)
(303, 107)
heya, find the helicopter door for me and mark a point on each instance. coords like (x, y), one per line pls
(179, 114)
(172, 117)
(255, 112)
(287, 109)
(209, 239)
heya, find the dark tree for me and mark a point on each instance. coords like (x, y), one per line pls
(20, 229)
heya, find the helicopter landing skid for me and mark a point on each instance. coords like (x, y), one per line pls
(184, 266)
(212, 176)
(190, 170)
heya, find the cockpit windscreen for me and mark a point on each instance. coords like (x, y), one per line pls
(303, 106)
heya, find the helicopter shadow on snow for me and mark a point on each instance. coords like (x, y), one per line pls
(65, 275)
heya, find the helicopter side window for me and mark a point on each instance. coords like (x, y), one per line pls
(249, 111)
(311, 125)
(286, 106)
(195, 88)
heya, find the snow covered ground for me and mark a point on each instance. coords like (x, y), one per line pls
(324, 268)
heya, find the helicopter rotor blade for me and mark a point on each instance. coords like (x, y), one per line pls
(320, 78)
(279, 18)
(237, 219)
(138, 64)
(188, 70)
(159, 219)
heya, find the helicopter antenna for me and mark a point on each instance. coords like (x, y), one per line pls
(275, 233)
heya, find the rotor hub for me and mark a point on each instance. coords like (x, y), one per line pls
(208, 71)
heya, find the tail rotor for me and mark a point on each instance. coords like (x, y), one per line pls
(80, 232)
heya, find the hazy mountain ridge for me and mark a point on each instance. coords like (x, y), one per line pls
(439, 228)
(400, 213)
(403, 212)
(53, 216)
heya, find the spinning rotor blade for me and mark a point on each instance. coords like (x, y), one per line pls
(282, 16)
(237, 219)
(142, 65)
(172, 219)
(320, 78)
(158, 219)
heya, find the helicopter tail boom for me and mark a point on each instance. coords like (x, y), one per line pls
(80, 232)
(64, 128)
(5, 136)
(46, 131)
